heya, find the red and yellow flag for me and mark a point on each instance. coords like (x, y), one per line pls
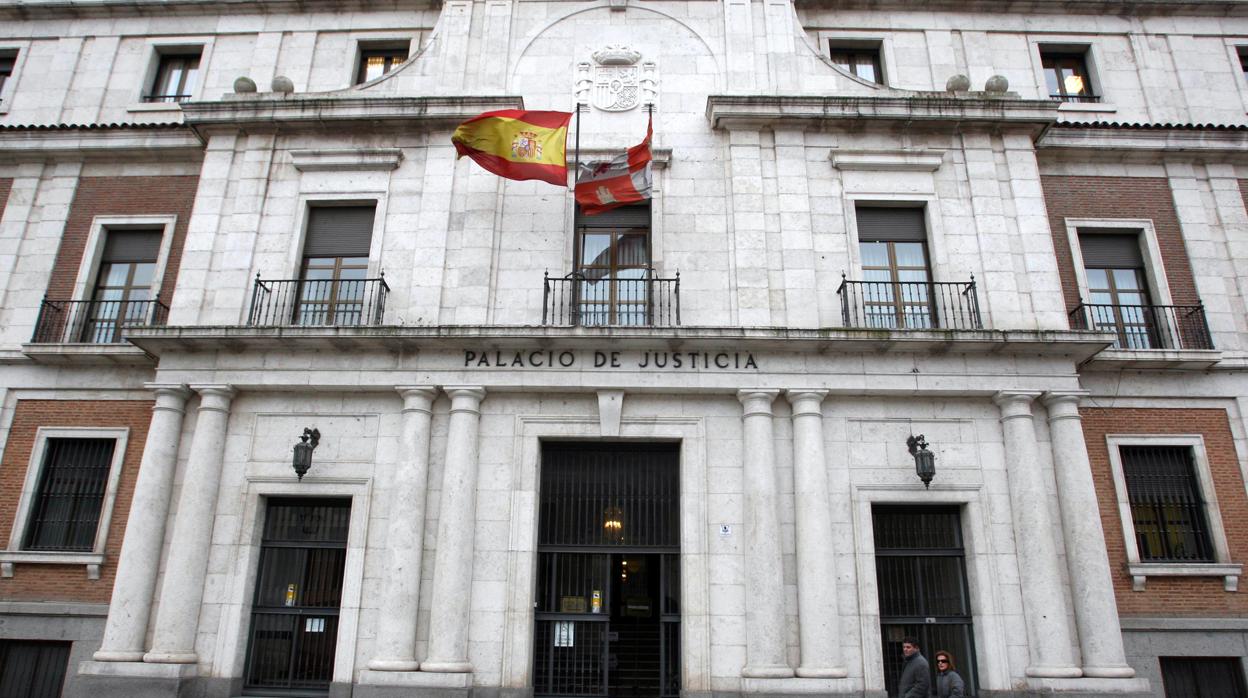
(517, 144)
(626, 179)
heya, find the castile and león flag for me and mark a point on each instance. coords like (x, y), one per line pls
(518, 144)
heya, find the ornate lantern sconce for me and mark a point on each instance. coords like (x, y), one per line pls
(613, 524)
(303, 451)
(924, 460)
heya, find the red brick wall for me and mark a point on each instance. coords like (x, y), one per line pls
(68, 582)
(1171, 596)
(6, 185)
(122, 196)
(1119, 197)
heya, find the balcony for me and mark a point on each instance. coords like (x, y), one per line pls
(94, 322)
(318, 302)
(926, 305)
(1147, 327)
(583, 300)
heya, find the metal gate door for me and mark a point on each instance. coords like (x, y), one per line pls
(294, 620)
(608, 588)
(920, 569)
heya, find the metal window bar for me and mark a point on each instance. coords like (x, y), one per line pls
(1167, 509)
(94, 322)
(1075, 98)
(318, 302)
(1147, 326)
(33, 668)
(579, 299)
(1203, 677)
(170, 99)
(921, 305)
(66, 510)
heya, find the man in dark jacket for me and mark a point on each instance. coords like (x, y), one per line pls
(915, 677)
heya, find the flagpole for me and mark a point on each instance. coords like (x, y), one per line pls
(576, 173)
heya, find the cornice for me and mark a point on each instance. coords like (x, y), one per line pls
(1170, 140)
(1142, 8)
(754, 111)
(55, 9)
(37, 143)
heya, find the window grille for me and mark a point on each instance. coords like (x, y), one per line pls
(66, 508)
(32, 669)
(1203, 677)
(1166, 505)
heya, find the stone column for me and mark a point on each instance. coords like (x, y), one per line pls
(130, 609)
(1091, 586)
(819, 627)
(765, 635)
(1044, 605)
(177, 618)
(457, 519)
(396, 627)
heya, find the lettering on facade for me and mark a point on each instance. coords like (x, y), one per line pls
(662, 360)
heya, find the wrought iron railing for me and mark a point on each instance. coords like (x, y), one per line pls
(909, 305)
(94, 322)
(318, 302)
(1087, 99)
(173, 99)
(588, 300)
(1147, 326)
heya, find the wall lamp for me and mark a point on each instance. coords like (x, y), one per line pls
(303, 451)
(924, 460)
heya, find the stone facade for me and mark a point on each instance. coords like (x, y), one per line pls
(790, 409)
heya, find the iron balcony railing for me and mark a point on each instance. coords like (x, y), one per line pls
(1086, 99)
(318, 302)
(1147, 326)
(94, 322)
(168, 99)
(909, 305)
(592, 301)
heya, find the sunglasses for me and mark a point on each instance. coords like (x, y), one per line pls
(942, 661)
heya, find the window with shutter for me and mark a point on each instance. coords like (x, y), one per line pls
(1118, 298)
(896, 286)
(333, 280)
(613, 266)
(123, 287)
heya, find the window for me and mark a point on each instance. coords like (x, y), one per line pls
(8, 59)
(177, 75)
(1118, 298)
(123, 287)
(33, 669)
(1169, 509)
(67, 502)
(1242, 51)
(376, 61)
(613, 267)
(1067, 77)
(896, 281)
(1203, 677)
(857, 58)
(334, 288)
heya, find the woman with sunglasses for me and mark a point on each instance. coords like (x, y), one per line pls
(948, 683)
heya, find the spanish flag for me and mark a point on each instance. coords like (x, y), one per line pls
(517, 144)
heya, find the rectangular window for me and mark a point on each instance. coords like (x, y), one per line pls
(123, 287)
(8, 59)
(33, 669)
(334, 288)
(1118, 297)
(1203, 677)
(376, 61)
(177, 76)
(1167, 509)
(858, 59)
(65, 511)
(896, 280)
(613, 267)
(1067, 77)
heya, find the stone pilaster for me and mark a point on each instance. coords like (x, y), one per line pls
(177, 618)
(125, 632)
(1044, 605)
(1092, 587)
(396, 628)
(764, 579)
(818, 624)
(452, 574)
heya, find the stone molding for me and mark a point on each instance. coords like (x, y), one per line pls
(346, 160)
(751, 112)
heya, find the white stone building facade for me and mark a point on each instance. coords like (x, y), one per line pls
(795, 143)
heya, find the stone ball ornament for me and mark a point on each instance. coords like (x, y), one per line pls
(997, 84)
(958, 83)
(281, 83)
(244, 85)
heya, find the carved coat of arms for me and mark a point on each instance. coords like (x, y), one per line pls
(617, 78)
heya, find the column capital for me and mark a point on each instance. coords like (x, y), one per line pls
(757, 401)
(1015, 403)
(170, 396)
(1063, 404)
(465, 398)
(806, 401)
(417, 398)
(215, 397)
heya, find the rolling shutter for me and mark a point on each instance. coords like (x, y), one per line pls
(339, 231)
(635, 216)
(1111, 250)
(891, 224)
(131, 246)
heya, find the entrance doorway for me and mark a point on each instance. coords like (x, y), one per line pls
(920, 569)
(608, 587)
(294, 619)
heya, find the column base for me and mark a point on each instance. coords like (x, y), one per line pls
(770, 671)
(1121, 671)
(777, 688)
(394, 665)
(1054, 672)
(416, 679)
(138, 670)
(1091, 687)
(118, 656)
(438, 667)
(817, 672)
(155, 657)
